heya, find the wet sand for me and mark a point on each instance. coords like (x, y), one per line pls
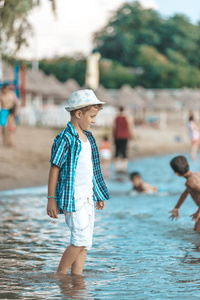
(28, 164)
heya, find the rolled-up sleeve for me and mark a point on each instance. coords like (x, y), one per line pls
(59, 151)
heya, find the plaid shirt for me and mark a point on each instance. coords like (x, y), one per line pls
(64, 154)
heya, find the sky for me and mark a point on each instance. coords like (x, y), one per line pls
(70, 31)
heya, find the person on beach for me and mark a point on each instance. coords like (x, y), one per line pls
(105, 155)
(181, 168)
(123, 130)
(75, 179)
(193, 129)
(9, 109)
(140, 186)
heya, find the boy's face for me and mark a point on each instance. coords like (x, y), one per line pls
(136, 181)
(88, 118)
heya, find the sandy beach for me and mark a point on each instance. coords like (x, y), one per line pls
(28, 164)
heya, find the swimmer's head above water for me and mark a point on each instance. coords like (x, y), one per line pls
(136, 178)
(180, 165)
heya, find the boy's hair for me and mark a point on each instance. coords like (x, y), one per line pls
(105, 138)
(134, 175)
(180, 165)
(121, 108)
(191, 118)
(86, 108)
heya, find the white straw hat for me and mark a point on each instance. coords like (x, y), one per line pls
(82, 99)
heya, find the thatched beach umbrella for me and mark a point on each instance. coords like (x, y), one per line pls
(190, 99)
(128, 97)
(39, 83)
(164, 101)
(185, 96)
(193, 100)
(71, 86)
(103, 95)
(142, 92)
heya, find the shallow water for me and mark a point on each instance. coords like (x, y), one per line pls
(138, 253)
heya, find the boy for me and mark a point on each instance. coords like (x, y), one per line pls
(75, 179)
(139, 185)
(181, 168)
(9, 104)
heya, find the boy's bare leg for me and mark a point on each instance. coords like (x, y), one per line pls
(11, 140)
(78, 265)
(4, 136)
(69, 256)
(117, 164)
(124, 164)
(194, 150)
(197, 225)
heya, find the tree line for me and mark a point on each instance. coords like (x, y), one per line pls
(137, 46)
(165, 51)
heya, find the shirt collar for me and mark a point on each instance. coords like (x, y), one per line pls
(73, 131)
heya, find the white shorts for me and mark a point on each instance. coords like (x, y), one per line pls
(105, 154)
(81, 222)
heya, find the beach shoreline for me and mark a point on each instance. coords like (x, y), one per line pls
(28, 165)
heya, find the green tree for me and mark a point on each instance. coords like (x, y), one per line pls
(168, 50)
(129, 28)
(113, 75)
(160, 72)
(64, 68)
(14, 23)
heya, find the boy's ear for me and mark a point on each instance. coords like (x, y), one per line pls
(176, 173)
(78, 114)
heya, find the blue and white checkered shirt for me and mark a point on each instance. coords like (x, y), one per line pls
(64, 154)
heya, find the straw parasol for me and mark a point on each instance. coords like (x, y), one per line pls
(190, 99)
(129, 97)
(103, 95)
(164, 101)
(71, 86)
(39, 83)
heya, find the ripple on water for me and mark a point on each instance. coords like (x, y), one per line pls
(138, 253)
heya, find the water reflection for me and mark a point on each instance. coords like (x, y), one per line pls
(72, 286)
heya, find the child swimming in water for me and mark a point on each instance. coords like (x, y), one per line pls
(140, 186)
(181, 168)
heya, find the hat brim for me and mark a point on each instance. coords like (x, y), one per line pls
(71, 108)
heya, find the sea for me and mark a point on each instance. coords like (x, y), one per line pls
(137, 253)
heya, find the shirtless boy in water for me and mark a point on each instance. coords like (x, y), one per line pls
(140, 186)
(181, 168)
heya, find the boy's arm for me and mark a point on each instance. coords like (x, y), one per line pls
(149, 188)
(52, 207)
(175, 212)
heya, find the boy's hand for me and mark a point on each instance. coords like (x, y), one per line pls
(174, 214)
(52, 208)
(100, 205)
(196, 216)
